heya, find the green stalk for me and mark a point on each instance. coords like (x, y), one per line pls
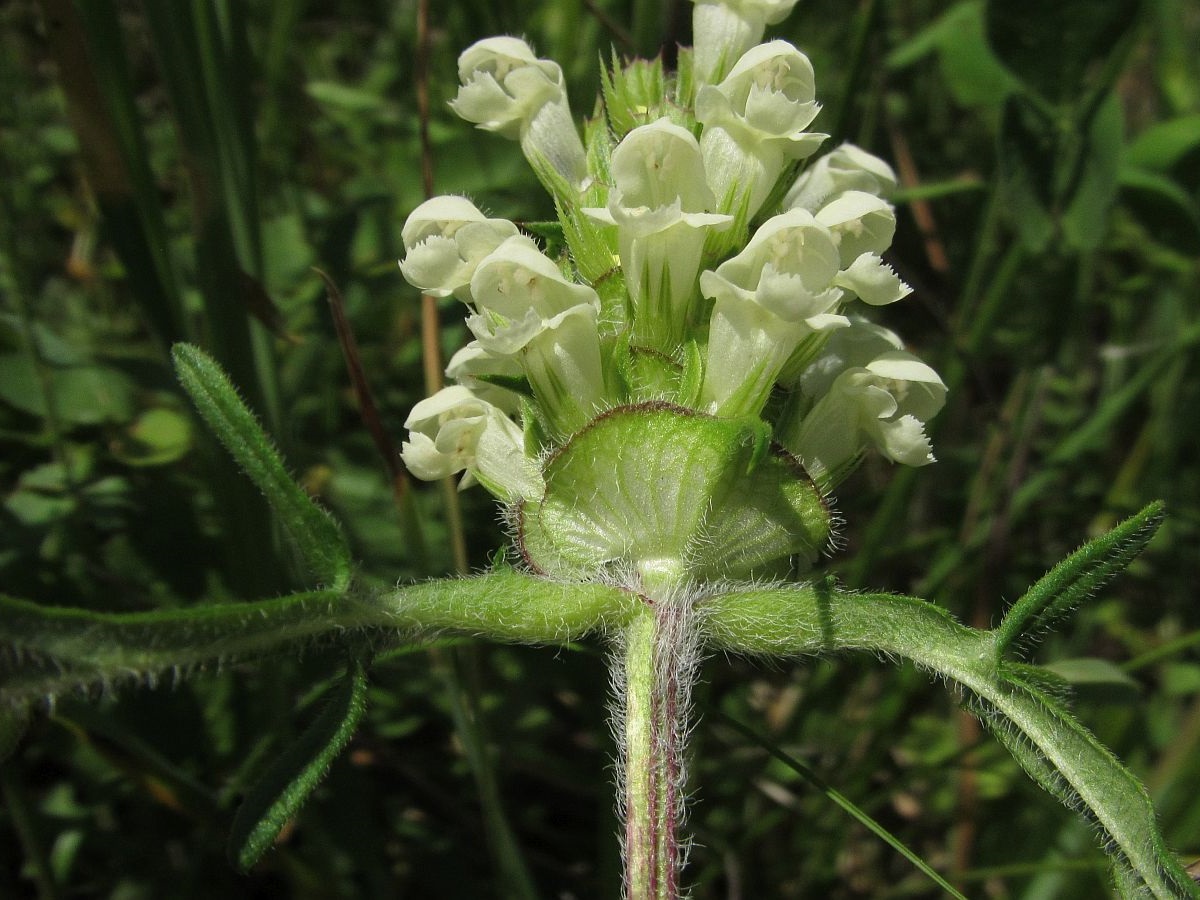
(654, 672)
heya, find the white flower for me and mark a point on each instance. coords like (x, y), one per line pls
(873, 281)
(863, 226)
(508, 90)
(659, 203)
(846, 168)
(722, 30)
(778, 290)
(868, 393)
(517, 276)
(454, 431)
(472, 366)
(860, 222)
(754, 123)
(444, 239)
(530, 312)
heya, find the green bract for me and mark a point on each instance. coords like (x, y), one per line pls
(662, 489)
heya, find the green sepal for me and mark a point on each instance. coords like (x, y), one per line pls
(289, 781)
(633, 94)
(518, 384)
(646, 374)
(693, 374)
(656, 484)
(1076, 578)
(316, 535)
(551, 233)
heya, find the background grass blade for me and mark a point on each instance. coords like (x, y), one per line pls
(840, 800)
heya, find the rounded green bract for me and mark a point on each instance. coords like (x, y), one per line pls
(654, 486)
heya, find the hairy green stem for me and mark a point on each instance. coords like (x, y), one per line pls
(653, 677)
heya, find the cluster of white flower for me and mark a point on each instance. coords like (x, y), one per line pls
(697, 310)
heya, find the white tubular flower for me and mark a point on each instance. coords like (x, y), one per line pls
(882, 401)
(722, 30)
(454, 431)
(470, 367)
(754, 123)
(508, 90)
(530, 312)
(517, 277)
(847, 168)
(769, 297)
(659, 204)
(860, 222)
(863, 226)
(444, 239)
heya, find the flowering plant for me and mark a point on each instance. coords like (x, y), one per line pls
(663, 396)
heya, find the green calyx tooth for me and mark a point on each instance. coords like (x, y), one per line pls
(656, 483)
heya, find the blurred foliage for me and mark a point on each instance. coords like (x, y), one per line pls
(175, 170)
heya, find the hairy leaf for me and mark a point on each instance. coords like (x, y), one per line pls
(316, 535)
(293, 776)
(1077, 577)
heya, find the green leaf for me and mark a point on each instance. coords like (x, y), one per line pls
(970, 68)
(318, 538)
(1057, 751)
(1029, 157)
(1056, 47)
(48, 651)
(80, 395)
(1163, 207)
(1095, 680)
(1076, 578)
(340, 96)
(1163, 145)
(1085, 221)
(293, 776)
(156, 437)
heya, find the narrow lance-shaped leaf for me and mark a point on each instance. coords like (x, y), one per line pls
(807, 619)
(1076, 578)
(318, 538)
(47, 651)
(293, 776)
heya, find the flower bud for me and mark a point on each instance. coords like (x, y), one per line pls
(454, 430)
(847, 168)
(722, 30)
(754, 123)
(508, 90)
(444, 239)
